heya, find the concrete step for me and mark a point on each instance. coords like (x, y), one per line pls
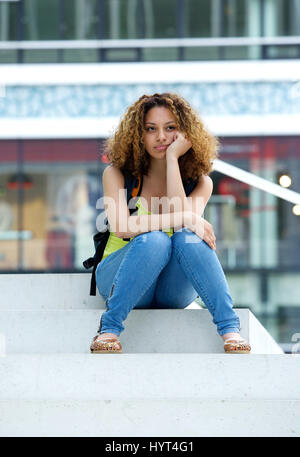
(172, 379)
(149, 395)
(146, 331)
(48, 291)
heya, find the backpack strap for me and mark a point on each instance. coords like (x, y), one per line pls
(135, 193)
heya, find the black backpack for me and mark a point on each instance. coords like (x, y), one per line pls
(134, 187)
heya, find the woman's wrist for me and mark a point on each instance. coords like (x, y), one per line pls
(171, 158)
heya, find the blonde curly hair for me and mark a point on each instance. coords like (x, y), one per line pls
(126, 149)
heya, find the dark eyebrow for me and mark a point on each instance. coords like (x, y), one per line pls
(169, 122)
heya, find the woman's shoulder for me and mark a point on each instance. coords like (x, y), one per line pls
(112, 170)
(207, 181)
(113, 176)
(204, 182)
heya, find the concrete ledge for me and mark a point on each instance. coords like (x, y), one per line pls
(146, 331)
(149, 376)
(48, 291)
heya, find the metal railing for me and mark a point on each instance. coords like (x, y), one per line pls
(150, 43)
(262, 45)
(256, 181)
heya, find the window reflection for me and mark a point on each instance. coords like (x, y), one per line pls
(48, 210)
(48, 197)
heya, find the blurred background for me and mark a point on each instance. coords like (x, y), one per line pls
(69, 69)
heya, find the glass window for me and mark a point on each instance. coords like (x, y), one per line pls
(201, 53)
(200, 18)
(239, 52)
(160, 54)
(80, 55)
(48, 203)
(40, 56)
(8, 56)
(160, 19)
(122, 19)
(265, 232)
(282, 52)
(10, 201)
(281, 17)
(236, 14)
(121, 55)
(8, 21)
(41, 20)
(80, 19)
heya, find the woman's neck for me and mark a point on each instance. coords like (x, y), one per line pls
(157, 171)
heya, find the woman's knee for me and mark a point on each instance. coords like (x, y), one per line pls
(185, 237)
(156, 242)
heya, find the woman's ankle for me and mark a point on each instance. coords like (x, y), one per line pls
(228, 335)
(108, 335)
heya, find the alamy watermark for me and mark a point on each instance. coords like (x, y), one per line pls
(189, 218)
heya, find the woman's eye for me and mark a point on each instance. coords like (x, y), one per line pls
(152, 129)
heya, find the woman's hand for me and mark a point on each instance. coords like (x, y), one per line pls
(179, 146)
(209, 235)
(203, 229)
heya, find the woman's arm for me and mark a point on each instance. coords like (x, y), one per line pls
(117, 212)
(194, 204)
(197, 200)
(147, 223)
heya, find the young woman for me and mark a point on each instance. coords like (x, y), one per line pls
(163, 256)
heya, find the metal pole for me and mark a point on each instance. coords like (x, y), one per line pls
(180, 26)
(60, 12)
(101, 29)
(20, 30)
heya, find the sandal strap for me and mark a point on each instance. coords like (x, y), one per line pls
(110, 339)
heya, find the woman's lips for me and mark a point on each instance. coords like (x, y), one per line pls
(162, 148)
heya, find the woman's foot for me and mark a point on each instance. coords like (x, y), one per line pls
(234, 343)
(106, 342)
(110, 336)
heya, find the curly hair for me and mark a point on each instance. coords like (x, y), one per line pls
(126, 149)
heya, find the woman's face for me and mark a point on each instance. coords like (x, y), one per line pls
(159, 131)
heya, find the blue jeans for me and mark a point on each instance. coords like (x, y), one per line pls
(157, 271)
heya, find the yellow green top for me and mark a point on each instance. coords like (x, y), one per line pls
(114, 243)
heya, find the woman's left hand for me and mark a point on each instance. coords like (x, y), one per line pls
(179, 146)
(209, 235)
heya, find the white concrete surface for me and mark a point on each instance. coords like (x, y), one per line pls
(149, 395)
(172, 379)
(150, 72)
(115, 376)
(48, 291)
(150, 418)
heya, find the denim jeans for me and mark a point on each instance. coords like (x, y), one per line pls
(157, 271)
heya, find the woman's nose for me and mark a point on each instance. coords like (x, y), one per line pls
(161, 135)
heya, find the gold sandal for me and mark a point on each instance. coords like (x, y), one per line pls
(105, 345)
(236, 346)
